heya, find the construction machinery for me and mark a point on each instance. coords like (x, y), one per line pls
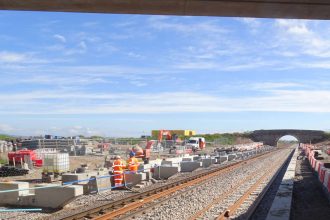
(145, 153)
(162, 133)
(196, 143)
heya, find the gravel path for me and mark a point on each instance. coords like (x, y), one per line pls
(191, 201)
(309, 201)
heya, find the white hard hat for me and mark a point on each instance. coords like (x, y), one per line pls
(117, 157)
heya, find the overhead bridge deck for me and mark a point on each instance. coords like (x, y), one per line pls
(302, 9)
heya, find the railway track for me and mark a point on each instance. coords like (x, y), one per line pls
(140, 203)
(245, 203)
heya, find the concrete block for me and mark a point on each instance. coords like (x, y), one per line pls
(175, 160)
(97, 184)
(85, 187)
(166, 163)
(12, 197)
(133, 179)
(164, 172)
(239, 155)
(70, 177)
(223, 159)
(56, 196)
(187, 159)
(196, 158)
(99, 172)
(206, 162)
(144, 167)
(148, 175)
(231, 157)
(245, 154)
(189, 166)
(154, 163)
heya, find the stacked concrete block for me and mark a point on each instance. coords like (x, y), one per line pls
(190, 166)
(206, 162)
(245, 154)
(97, 184)
(164, 172)
(231, 157)
(55, 196)
(175, 160)
(223, 159)
(85, 187)
(167, 163)
(187, 159)
(133, 179)
(12, 197)
(75, 177)
(45, 195)
(239, 155)
(196, 158)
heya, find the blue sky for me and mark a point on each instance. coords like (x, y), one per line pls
(123, 75)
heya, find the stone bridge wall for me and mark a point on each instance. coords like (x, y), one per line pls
(271, 137)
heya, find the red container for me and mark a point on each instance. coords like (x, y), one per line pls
(38, 163)
(18, 156)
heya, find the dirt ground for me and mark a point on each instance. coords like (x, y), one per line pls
(75, 162)
(309, 200)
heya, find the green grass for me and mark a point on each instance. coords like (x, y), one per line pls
(3, 160)
(5, 137)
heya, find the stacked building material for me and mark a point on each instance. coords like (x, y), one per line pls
(12, 171)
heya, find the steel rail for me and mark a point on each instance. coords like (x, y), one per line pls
(144, 209)
(234, 207)
(228, 193)
(118, 207)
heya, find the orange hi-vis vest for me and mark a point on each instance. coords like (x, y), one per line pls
(133, 164)
(118, 166)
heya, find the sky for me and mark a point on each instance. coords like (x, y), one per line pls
(124, 75)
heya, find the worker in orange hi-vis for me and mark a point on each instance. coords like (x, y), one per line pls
(133, 163)
(118, 166)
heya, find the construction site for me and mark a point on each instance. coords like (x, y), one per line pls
(161, 110)
(117, 180)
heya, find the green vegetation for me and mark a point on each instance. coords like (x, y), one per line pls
(327, 135)
(97, 137)
(5, 137)
(221, 139)
(3, 159)
(225, 138)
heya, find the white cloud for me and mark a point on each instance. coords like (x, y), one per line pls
(275, 85)
(59, 37)
(299, 37)
(253, 23)
(274, 98)
(11, 57)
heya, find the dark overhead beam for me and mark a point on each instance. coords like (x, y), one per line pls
(302, 9)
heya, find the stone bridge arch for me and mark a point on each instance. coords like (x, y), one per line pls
(270, 137)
